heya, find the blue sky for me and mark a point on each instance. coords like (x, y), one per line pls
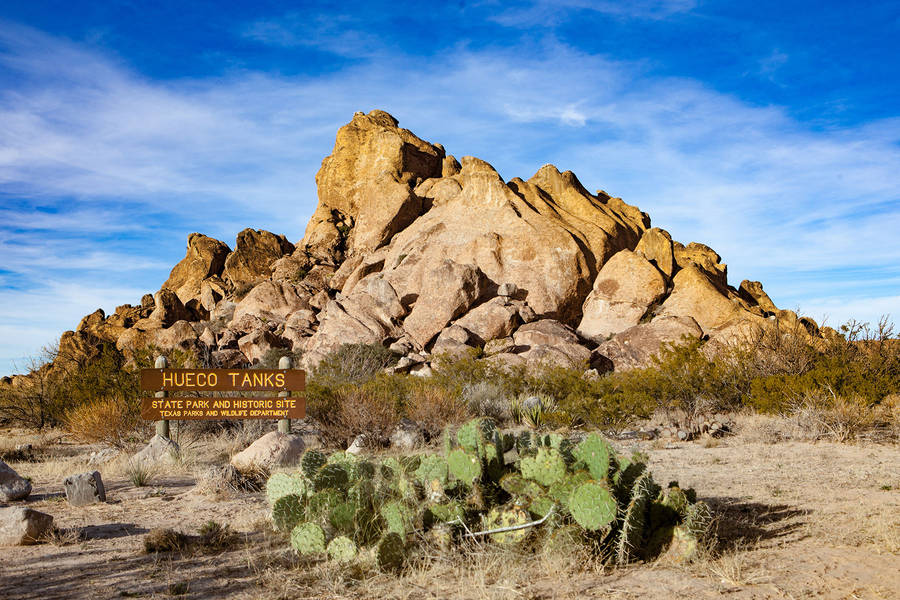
(767, 130)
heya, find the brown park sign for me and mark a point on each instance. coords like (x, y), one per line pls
(223, 380)
(192, 409)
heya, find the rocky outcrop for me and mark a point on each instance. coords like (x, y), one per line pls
(253, 256)
(366, 186)
(426, 254)
(205, 258)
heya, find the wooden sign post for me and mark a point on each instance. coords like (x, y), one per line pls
(163, 407)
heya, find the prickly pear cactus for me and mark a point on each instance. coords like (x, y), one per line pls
(288, 511)
(516, 485)
(500, 518)
(391, 552)
(308, 538)
(343, 517)
(332, 477)
(282, 484)
(546, 467)
(465, 466)
(341, 549)
(593, 506)
(594, 452)
(397, 517)
(311, 462)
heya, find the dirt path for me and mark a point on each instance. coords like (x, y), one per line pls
(797, 520)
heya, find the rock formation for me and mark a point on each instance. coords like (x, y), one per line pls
(414, 249)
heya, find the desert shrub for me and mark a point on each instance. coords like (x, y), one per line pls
(353, 363)
(433, 407)
(485, 398)
(372, 408)
(109, 420)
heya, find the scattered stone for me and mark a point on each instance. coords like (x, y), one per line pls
(407, 436)
(84, 489)
(421, 370)
(274, 449)
(401, 346)
(21, 526)
(12, 485)
(358, 445)
(159, 449)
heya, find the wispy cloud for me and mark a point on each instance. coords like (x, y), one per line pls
(551, 12)
(103, 167)
(336, 34)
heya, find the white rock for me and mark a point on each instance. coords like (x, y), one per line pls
(21, 526)
(12, 485)
(274, 449)
(159, 449)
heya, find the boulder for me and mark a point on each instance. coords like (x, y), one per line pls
(753, 293)
(567, 355)
(274, 449)
(212, 291)
(168, 309)
(257, 344)
(205, 258)
(253, 255)
(230, 359)
(704, 259)
(21, 526)
(626, 288)
(546, 332)
(368, 315)
(698, 296)
(159, 450)
(12, 485)
(636, 346)
(499, 346)
(84, 488)
(273, 301)
(490, 320)
(656, 246)
(407, 436)
(443, 291)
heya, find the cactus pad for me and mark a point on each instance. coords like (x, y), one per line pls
(391, 552)
(341, 549)
(592, 506)
(499, 518)
(546, 467)
(287, 512)
(282, 484)
(311, 462)
(634, 522)
(465, 466)
(594, 452)
(308, 538)
(332, 476)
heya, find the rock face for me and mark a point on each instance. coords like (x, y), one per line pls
(12, 486)
(426, 254)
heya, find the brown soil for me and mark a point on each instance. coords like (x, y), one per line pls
(796, 520)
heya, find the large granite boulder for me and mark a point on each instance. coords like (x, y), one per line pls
(626, 288)
(253, 256)
(12, 485)
(205, 257)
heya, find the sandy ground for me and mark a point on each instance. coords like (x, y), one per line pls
(796, 520)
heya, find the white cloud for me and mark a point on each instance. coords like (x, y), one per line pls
(86, 136)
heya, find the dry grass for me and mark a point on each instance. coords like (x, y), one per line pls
(108, 421)
(433, 408)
